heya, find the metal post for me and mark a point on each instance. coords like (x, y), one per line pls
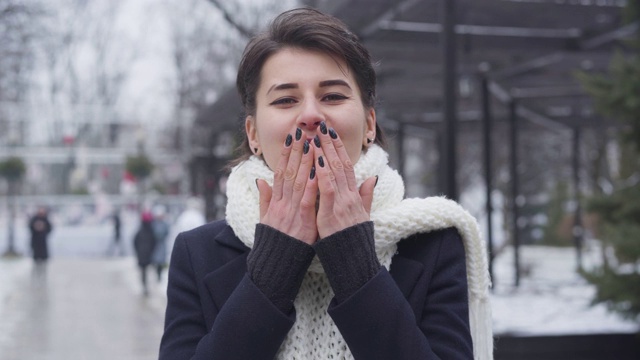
(577, 223)
(449, 79)
(513, 130)
(11, 250)
(12, 188)
(486, 140)
(185, 149)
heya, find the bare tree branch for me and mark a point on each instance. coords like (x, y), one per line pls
(243, 30)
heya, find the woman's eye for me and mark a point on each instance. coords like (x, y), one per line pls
(334, 97)
(284, 101)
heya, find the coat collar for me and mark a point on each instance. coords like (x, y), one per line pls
(228, 238)
(222, 282)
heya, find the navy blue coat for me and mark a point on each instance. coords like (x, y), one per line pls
(417, 310)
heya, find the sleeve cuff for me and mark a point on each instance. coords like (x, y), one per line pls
(277, 265)
(349, 258)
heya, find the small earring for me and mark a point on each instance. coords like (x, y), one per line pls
(369, 141)
(255, 151)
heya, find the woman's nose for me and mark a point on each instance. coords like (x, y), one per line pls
(310, 116)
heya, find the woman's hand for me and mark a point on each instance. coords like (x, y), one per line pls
(290, 206)
(342, 204)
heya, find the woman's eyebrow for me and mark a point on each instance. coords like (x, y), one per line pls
(336, 82)
(285, 86)
(324, 83)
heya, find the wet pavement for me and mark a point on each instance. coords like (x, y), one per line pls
(78, 308)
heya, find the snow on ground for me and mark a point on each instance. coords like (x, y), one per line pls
(552, 298)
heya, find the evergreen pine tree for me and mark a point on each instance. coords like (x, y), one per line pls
(556, 213)
(617, 96)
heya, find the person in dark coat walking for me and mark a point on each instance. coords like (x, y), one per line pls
(161, 230)
(144, 243)
(40, 227)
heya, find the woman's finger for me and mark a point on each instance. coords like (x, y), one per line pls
(325, 177)
(343, 155)
(309, 197)
(278, 173)
(293, 165)
(329, 140)
(303, 173)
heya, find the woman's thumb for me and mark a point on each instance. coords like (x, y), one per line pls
(366, 192)
(265, 196)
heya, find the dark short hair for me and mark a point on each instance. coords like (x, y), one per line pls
(306, 29)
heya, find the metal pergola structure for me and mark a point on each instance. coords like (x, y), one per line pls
(520, 55)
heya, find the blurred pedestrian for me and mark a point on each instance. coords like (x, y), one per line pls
(190, 218)
(144, 242)
(40, 227)
(160, 230)
(116, 244)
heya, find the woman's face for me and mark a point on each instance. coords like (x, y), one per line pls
(299, 89)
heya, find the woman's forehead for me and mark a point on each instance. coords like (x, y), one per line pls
(291, 64)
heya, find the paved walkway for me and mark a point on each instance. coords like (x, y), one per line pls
(78, 308)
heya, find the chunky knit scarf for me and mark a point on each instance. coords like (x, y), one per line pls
(314, 334)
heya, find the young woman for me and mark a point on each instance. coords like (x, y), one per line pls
(319, 256)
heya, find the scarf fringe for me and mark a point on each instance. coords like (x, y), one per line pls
(480, 321)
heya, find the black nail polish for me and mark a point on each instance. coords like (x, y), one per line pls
(257, 184)
(289, 140)
(298, 134)
(313, 173)
(316, 140)
(374, 185)
(333, 133)
(305, 147)
(321, 161)
(323, 128)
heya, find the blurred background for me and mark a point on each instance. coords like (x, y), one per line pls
(526, 111)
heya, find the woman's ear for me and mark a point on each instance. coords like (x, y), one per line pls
(370, 130)
(252, 134)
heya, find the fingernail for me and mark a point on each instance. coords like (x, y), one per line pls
(323, 128)
(321, 161)
(313, 173)
(305, 147)
(316, 140)
(257, 184)
(298, 134)
(289, 140)
(333, 133)
(374, 185)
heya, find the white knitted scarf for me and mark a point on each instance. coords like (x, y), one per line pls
(314, 334)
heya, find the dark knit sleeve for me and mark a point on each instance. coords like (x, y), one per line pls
(277, 264)
(349, 258)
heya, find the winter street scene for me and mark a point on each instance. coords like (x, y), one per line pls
(451, 179)
(87, 298)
